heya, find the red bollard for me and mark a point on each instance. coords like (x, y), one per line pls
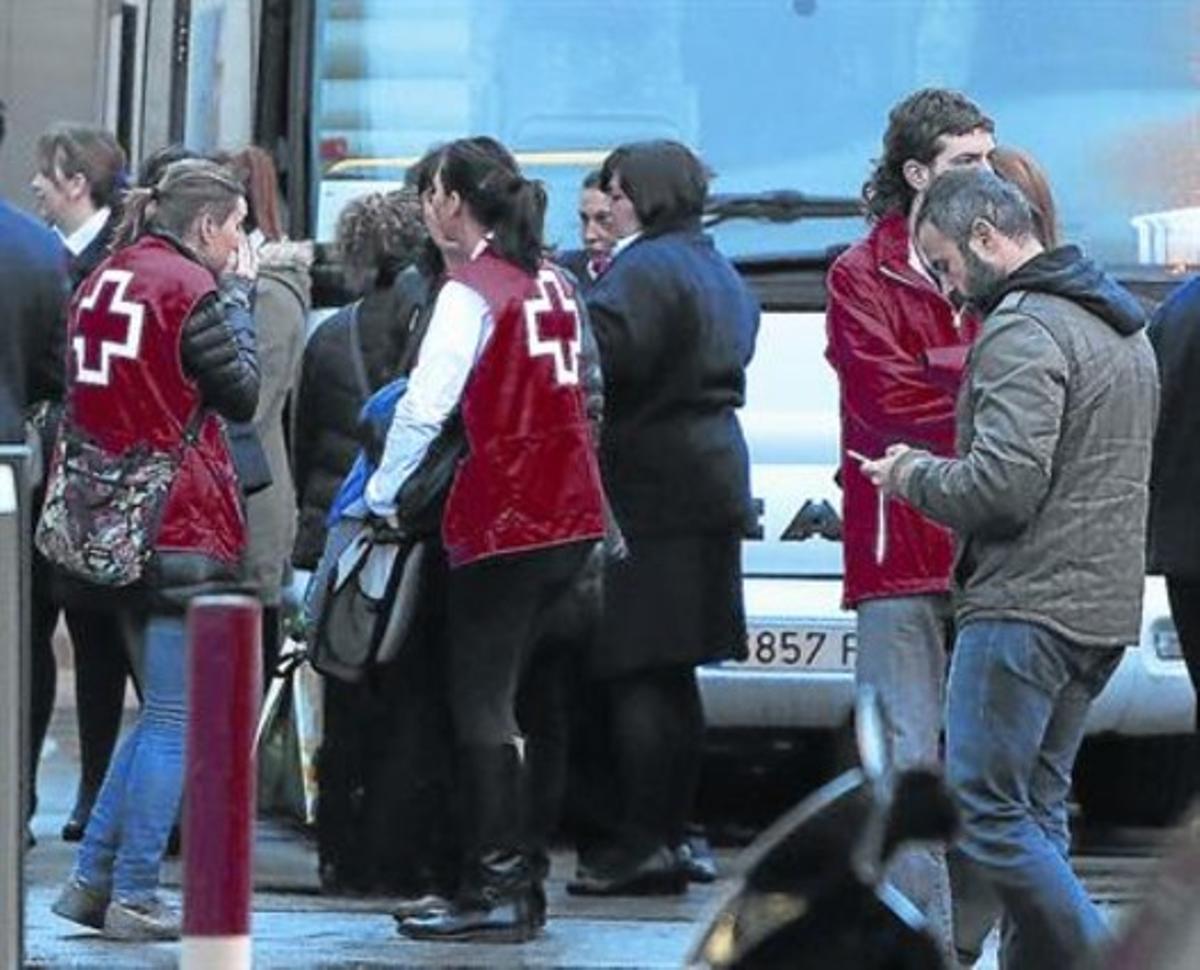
(224, 688)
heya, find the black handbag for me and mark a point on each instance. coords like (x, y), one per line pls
(370, 602)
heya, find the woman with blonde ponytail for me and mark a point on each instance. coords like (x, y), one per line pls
(161, 349)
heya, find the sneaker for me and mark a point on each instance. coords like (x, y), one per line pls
(81, 904)
(136, 922)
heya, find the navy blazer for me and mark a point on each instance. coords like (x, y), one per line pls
(676, 327)
(33, 290)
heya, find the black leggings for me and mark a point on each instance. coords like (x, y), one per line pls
(657, 726)
(101, 642)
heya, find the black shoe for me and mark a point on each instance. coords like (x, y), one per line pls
(695, 858)
(657, 873)
(77, 821)
(72, 831)
(512, 920)
(419, 907)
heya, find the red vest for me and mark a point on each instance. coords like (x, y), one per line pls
(530, 478)
(127, 388)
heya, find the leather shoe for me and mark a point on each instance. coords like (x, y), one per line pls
(695, 859)
(657, 873)
(429, 904)
(511, 920)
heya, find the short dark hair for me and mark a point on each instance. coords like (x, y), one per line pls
(154, 164)
(915, 128)
(593, 180)
(957, 199)
(91, 152)
(666, 182)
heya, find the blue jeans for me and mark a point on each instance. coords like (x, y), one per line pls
(902, 644)
(1018, 696)
(127, 833)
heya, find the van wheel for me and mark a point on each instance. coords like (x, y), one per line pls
(1146, 781)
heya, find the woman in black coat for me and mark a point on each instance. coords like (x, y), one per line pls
(1174, 526)
(676, 327)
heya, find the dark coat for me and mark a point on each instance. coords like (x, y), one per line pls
(575, 262)
(33, 292)
(1174, 527)
(332, 390)
(676, 327)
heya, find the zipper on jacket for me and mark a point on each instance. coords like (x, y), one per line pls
(881, 535)
(956, 319)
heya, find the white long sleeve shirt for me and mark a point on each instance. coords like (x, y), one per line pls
(458, 332)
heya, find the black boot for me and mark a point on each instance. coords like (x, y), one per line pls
(497, 902)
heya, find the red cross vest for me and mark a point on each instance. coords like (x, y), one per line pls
(530, 479)
(128, 388)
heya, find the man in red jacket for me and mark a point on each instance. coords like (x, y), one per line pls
(898, 346)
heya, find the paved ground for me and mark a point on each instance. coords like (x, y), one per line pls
(294, 927)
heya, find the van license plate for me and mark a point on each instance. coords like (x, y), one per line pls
(806, 647)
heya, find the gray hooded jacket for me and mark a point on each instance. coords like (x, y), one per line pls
(1055, 425)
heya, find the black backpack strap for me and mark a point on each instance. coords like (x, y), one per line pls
(356, 353)
(414, 305)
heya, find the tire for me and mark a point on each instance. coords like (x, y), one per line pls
(1139, 781)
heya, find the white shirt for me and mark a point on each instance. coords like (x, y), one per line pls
(625, 242)
(82, 237)
(458, 332)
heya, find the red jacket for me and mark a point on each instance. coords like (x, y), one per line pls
(898, 347)
(530, 479)
(128, 389)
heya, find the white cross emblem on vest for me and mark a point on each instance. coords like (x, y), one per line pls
(552, 326)
(116, 280)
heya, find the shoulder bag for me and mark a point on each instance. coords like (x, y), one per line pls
(102, 512)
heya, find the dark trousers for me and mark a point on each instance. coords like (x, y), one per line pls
(657, 726)
(102, 648)
(1184, 596)
(495, 608)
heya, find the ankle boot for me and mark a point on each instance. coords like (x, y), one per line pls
(497, 902)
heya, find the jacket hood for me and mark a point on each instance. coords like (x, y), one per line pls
(1066, 272)
(288, 261)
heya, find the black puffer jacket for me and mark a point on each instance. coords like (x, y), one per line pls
(334, 382)
(219, 353)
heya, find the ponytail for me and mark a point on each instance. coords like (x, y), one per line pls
(137, 209)
(510, 206)
(518, 236)
(186, 190)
